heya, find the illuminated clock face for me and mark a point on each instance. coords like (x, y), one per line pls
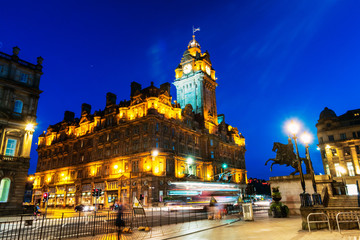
(187, 68)
(208, 70)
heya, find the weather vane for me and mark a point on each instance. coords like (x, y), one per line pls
(195, 30)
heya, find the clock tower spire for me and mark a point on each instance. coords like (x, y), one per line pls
(195, 84)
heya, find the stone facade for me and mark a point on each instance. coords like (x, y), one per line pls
(135, 147)
(339, 143)
(19, 94)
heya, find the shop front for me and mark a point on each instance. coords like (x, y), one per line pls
(52, 199)
(60, 196)
(100, 200)
(60, 200)
(37, 197)
(86, 194)
(111, 193)
(70, 196)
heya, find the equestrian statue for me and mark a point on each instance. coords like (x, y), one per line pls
(285, 156)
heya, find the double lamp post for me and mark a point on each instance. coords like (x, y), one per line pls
(293, 128)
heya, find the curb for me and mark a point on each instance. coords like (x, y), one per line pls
(202, 230)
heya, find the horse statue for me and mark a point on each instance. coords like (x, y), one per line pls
(285, 156)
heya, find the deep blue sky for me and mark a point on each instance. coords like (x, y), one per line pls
(274, 59)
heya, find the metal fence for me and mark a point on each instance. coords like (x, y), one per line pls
(90, 224)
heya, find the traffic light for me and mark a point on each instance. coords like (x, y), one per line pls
(141, 197)
(99, 192)
(93, 192)
(45, 197)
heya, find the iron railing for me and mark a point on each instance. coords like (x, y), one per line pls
(91, 224)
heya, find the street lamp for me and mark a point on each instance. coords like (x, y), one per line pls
(224, 166)
(154, 153)
(189, 161)
(294, 127)
(306, 138)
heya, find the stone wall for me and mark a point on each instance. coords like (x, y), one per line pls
(290, 188)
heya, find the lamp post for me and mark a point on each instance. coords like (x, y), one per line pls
(189, 161)
(306, 138)
(294, 127)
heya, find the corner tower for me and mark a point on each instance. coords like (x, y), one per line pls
(195, 84)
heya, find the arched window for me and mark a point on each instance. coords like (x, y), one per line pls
(4, 189)
(18, 106)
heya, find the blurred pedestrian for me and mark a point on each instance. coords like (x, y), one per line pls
(36, 211)
(120, 223)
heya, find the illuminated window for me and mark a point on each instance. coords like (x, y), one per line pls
(24, 77)
(211, 142)
(10, 147)
(156, 127)
(333, 151)
(327, 169)
(4, 189)
(212, 154)
(347, 151)
(157, 143)
(18, 106)
(337, 169)
(350, 168)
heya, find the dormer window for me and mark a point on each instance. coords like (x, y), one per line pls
(24, 77)
(18, 106)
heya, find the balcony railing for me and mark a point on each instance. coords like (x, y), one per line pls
(12, 158)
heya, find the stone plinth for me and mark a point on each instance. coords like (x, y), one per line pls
(290, 188)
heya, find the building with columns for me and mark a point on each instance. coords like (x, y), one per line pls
(141, 145)
(339, 143)
(19, 95)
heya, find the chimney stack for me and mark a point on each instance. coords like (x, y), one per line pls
(165, 87)
(110, 99)
(135, 87)
(85, 109)
(69, 116)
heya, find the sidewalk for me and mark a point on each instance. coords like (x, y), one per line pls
(231, 228)
(169, 231)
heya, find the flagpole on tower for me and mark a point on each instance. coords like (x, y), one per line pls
(195, 30)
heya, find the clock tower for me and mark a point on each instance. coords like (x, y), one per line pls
(195, 84)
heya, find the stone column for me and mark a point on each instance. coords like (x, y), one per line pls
(329, 158)
(26, 146)
(340, 152)
(355, 160)
(2, 141)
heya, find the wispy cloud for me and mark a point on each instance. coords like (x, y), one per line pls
(282, 44)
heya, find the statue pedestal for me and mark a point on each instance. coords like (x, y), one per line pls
(290, 189)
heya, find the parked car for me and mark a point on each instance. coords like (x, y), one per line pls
(84, 208)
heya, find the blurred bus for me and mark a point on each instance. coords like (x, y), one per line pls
(198, 194)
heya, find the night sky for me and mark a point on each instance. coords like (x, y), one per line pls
(274, 60)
